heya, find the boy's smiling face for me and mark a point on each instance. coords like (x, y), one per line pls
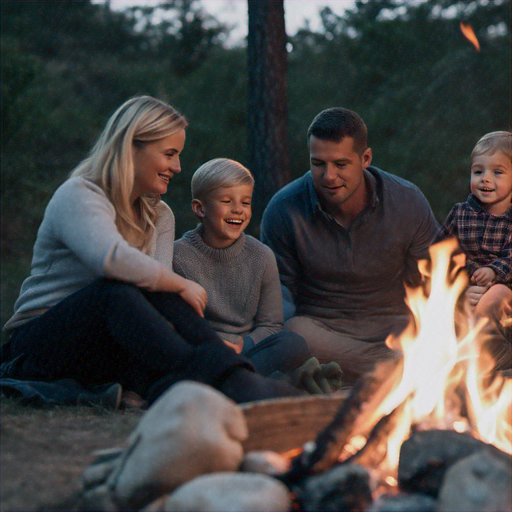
(225, 214)
(491, 181)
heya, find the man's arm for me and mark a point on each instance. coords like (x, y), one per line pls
(426, 229)
(449, 228)
(277, 233)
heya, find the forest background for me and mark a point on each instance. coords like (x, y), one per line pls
(424, 91)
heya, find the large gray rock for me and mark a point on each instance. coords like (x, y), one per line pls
(481, 482)
(427, 455)
(190, 430)
(227, 492)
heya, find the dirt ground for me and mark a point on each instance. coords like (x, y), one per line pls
(44, 451)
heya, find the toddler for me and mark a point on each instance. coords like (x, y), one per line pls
(483, 226)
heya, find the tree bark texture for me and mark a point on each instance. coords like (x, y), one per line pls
(267, 110)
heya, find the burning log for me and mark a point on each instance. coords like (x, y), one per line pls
(374, 451)
(441, 382)
(330, 442)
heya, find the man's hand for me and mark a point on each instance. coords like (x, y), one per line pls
(195, 295)
(484, 276)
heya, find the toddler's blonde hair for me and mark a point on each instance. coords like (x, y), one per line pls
(492, 142)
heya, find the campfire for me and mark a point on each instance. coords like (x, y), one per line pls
(430, 431)
(441, 393)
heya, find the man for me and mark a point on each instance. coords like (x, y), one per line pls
(347, 236)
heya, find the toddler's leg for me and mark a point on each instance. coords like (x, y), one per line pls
(496, 305)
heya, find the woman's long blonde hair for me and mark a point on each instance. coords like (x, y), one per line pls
(139, 120)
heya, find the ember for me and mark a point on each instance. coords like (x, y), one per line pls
(469, 34)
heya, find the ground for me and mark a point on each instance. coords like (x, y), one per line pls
(44, 451)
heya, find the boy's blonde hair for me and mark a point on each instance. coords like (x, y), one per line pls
(219, 173)
(140, 120)
(492, 142)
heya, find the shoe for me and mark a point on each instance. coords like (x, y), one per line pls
(109, 397)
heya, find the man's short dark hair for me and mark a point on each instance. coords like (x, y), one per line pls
(337, 123)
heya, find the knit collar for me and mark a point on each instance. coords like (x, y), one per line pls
(225, 255)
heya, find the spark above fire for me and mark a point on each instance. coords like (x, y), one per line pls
(469, 34)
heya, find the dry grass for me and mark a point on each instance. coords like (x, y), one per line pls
(44, 451)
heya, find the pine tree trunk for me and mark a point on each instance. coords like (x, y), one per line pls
(267, 115)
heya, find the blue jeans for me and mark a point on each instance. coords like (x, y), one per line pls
(284, 352)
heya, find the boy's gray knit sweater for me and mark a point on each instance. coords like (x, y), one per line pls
(242, 283)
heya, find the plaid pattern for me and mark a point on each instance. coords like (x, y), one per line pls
(484, 238)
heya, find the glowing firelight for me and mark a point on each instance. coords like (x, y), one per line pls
(469, 34)
(443, 379)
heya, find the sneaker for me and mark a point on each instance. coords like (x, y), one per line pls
(108, 397)
(111, 397)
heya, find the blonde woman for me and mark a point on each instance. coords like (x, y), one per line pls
(102, 303)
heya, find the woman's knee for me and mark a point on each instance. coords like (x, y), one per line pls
(114, 290)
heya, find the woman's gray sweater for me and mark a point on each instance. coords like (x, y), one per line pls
(78, 241)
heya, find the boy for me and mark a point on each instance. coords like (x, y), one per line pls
(240, 276)
(483, 226)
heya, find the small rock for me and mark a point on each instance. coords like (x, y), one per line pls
(190, 430)
(426, 456)
(266, 462)
(227, 492)
(345, 487)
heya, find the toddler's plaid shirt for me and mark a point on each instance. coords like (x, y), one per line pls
(484, 238)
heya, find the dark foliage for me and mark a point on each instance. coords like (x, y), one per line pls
(425, 93)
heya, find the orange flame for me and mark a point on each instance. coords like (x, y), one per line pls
(469, 34)
(439, 361)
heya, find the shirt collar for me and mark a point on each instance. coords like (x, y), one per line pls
(370, 176)
(476, 206)
(474, 203)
